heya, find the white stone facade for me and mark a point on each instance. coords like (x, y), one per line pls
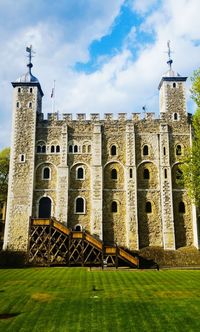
(116, 178)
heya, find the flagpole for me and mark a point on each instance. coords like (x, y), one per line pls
(53, 94)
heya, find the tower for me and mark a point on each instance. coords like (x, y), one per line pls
(27, 101)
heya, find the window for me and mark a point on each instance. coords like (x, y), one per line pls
(146, 174)
(80, 173)
(43, 148)
(70, 149)
(148, 207)
(181, 207)
(52, 149)
(80, 205)
(179, 174)
(174, 85)
(22, 158)
(46, 173)
(17, 104)
(114, 207)
(19, 90)
(164, 151)
(114, 174)
(30, 105)
(75, 148)
(113, 150)
(31, 90)
(165, 173)
(89, 148)
(145, 150)
(57, 148)
(39, 149)
(175, 116)
(131, 173)
(178, 150)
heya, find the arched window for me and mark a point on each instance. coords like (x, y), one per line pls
(52, 149)
(114, 206)
(43, 148)
(78, 228)
(22, 158)
(175, 116)
(57, 148)
(46, 173)
(80, 205)
(181, 207)
(179, 174)
(148, 207)
(45, 207)
(114, 174)
(178, 150)
(89, 148)
(31, 90)
(39, 149)
(70, 149)
(80, 173)
(145, 150)
(113, 150)
(75, 148)
(131, 173)
(146, 174)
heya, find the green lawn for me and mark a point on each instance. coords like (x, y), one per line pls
(75, 300)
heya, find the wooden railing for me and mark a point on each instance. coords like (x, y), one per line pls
(128, 257)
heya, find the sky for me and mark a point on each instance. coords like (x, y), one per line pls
(105, 56)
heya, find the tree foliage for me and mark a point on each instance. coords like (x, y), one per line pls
(4, 170)
(191, 164)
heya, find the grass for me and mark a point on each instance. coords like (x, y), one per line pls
(77, 300)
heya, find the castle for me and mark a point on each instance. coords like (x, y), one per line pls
(115, 178)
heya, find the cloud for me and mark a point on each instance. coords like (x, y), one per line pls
(123, 82)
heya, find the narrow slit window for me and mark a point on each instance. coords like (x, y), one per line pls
(131, 173)
(181, 207)
(178, 150)
(113, 150)
(145, 150)
(164, 151)
(146, 174)
(114, 207)
(148, 207)
(114, 174)
(46, 173)
(165, 173)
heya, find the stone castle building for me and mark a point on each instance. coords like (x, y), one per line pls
(116, 178)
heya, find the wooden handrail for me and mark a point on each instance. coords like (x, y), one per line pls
(93, 241)
(128, 256)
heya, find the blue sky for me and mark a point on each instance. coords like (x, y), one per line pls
(106, 56)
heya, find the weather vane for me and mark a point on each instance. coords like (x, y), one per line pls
(170, 61)
(30, 52)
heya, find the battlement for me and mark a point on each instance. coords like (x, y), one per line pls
(95, 117)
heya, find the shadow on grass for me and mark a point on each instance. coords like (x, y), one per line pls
(8, 316)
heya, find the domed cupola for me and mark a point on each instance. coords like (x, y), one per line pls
(28, 79)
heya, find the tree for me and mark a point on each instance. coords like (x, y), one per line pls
(4, 170)
(191, 162)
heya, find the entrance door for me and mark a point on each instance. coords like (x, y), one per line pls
(45, 207)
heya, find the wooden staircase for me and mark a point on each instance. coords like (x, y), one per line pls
(52, 243)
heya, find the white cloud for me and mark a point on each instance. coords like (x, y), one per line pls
(123, 83)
